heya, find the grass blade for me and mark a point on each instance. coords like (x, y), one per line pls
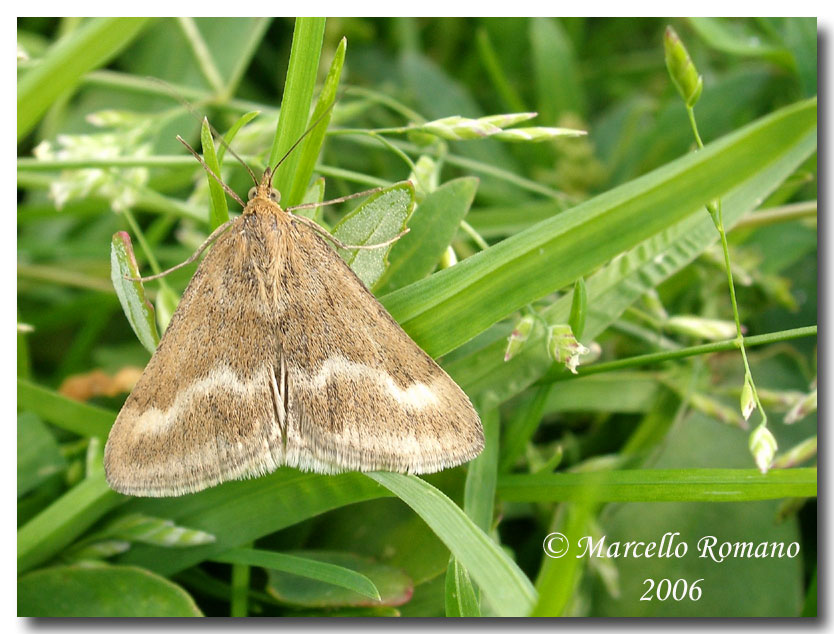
(660, 485)
(502, 582)
(303, 567)
(298, 95)
(450, 307)
(219, 208)
(86, 48)
(63, 412)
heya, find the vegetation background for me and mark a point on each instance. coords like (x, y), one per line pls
(629, 448)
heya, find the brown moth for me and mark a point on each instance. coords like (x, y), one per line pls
(279, 355)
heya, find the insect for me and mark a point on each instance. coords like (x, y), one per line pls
(279, 355)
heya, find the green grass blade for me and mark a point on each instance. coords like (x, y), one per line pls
(502, 582)
(219, 208)
(450, 307)
(311, 146)
(616, 286)
(230, 135)
(460, 595)
(479, 491)
(80, 418)
(660, 485)
(64, 520)
(60, 70)
(298, 95)
(303, 567)
(555, 69)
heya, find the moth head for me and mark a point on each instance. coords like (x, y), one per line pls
(273, 194)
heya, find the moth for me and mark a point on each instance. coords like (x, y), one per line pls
(278, 355)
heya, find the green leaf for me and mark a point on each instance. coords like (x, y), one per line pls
(315, 194)
(520, 429)
(80, 418)
(320, 568)
(453, 305)
(616, 286)
(138, 310)
(735, 39)
(143, 529)
(555, 68)
(239, 512)
(460, 595)
(660, 485)
(114, 591)
(38, 456)
(61, 68)
(311, 146)
(479, 492)
(64, 520)
(295, 106)
(230, 135)
(578, 308)
(219, 208)
(379, 218)
(502, 582)
(432, 228)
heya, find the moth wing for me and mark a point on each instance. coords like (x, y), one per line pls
(204, 411)
(360, 394)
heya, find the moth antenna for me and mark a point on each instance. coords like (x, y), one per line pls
(301, 138)
(214, 235)
(185, 104)
(231, 151)
(349, 247)
(228, 189)
(334, 201)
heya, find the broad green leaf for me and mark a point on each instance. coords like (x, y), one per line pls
(501, 581)
(114, 591)
(80, 418)
(295, 105)
(61, 68)
(138, 310)
(460, 595)
(453, 305)
(432, 227)
(658, 485)
(38, 456)
(383, 585)
(219, 208)
(311, 146)
(379, 218)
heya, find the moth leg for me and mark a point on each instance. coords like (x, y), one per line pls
(327, 236)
